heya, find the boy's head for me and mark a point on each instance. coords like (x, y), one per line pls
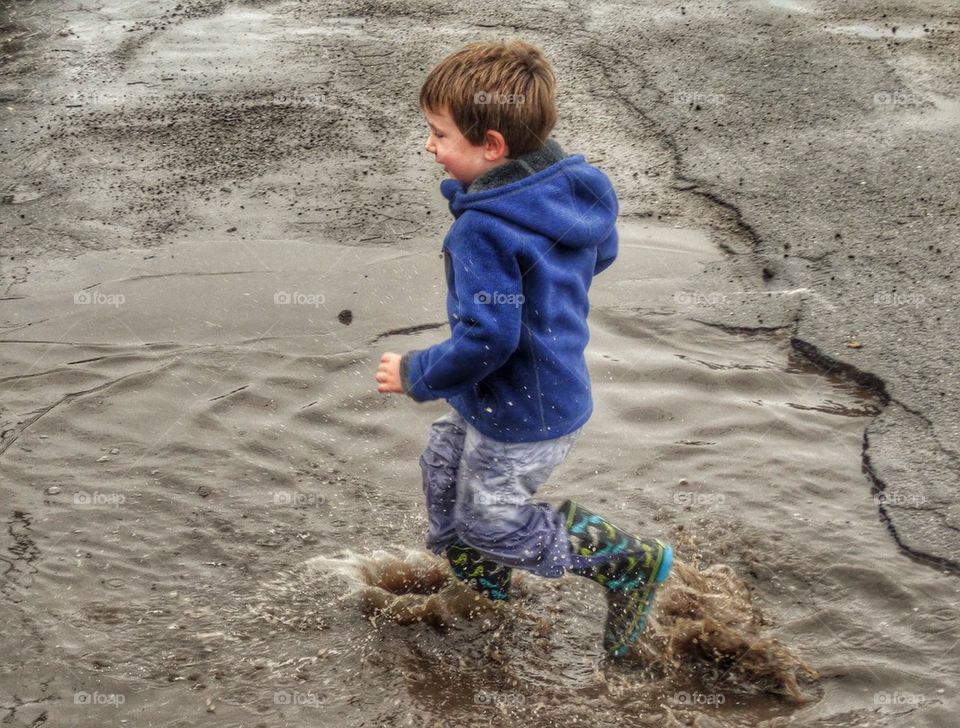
(487, 102)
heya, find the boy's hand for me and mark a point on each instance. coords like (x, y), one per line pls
(388, 375)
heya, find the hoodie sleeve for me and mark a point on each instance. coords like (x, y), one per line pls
(606, 252)
(489, 291)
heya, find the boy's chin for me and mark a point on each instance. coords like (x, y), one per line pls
(461, 180)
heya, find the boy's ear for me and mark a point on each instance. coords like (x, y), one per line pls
(495, 146)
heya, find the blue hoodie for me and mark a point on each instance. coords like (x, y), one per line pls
(527, 240)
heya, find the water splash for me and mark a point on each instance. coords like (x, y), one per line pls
(706, 625)
(704, 629)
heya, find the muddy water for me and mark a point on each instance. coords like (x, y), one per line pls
(211, 515)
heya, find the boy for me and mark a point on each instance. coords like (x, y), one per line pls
(532, 227)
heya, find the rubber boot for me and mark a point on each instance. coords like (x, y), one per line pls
(629, 568)
(488, 577)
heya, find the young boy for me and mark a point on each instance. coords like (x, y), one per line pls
(532, 227)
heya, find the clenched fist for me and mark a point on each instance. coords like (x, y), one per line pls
(388, 374)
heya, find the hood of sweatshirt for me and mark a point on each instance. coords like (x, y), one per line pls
(565, 199)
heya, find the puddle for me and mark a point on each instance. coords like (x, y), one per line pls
(209, 54)
(197, 467)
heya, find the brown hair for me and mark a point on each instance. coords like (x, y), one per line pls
(507, 86)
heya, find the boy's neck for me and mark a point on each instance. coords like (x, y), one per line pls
(512, 170)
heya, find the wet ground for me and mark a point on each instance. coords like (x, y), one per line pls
(202, 466)
(220, 214)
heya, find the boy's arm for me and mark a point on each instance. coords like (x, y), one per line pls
(606, 253)
(490, 292)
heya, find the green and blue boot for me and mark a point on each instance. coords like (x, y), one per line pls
(488, 577)
(631, 570)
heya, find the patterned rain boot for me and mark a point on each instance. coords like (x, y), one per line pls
(488, 577)
(631, 569)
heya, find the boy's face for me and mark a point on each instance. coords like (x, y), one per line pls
(460, 159)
